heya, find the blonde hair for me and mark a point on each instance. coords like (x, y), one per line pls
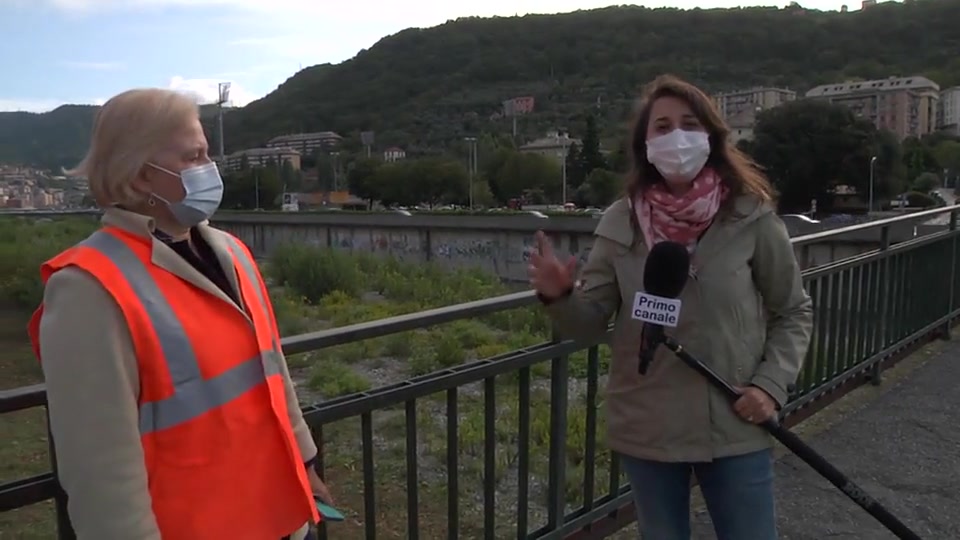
(129, 130)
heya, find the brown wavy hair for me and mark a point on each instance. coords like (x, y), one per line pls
(737, 171)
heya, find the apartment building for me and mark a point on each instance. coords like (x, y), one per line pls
(752, 100)
(741, 126)
(905, 106)
(307, 143)
(555, 145)
(948, 111)
(261, 157)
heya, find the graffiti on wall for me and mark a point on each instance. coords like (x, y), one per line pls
(400, 245)
(467, 249)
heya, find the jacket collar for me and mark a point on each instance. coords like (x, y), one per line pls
(165, 257)
(619, 224)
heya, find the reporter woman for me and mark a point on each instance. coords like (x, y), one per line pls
(745, 312)
(171, 406)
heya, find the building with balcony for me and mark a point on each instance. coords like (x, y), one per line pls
(393, 154)
(261, 157)
(948, 111)
(905, 106)
(307, 143)
(555, 145)
(752, 100)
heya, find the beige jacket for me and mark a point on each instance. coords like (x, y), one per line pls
(92, 389)
(745, 314)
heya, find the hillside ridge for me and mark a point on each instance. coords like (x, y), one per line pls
(424, 89)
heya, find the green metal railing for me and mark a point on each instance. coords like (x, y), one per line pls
(526, 423)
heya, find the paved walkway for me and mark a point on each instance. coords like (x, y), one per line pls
(903, 448)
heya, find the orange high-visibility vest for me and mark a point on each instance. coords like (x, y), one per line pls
(221, 457)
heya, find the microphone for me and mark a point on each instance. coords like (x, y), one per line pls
(664, 275)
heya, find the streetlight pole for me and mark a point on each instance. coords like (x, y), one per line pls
(873, 161)
(471, 164)
(256, 187)
(223, 96)
(563, 169)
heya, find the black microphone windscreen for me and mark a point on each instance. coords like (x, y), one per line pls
(666, 270)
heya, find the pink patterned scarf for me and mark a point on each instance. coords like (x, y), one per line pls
(664, 216)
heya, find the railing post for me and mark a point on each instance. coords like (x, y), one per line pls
(556, 482)
(945, 332)
(64, 527)
(876, 369)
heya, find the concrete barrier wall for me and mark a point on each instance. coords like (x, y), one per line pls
(497, 244)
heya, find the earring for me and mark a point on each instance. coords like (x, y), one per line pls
(151, 201)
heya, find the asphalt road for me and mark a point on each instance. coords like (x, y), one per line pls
(902, 448)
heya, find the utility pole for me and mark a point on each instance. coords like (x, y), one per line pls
(336, 170)
(471, 164)
(873, 160)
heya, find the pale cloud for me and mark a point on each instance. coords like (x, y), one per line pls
(207, 91)
(95, 66)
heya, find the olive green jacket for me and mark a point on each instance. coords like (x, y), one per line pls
(744, 313)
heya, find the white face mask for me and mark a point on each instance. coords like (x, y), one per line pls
(679, 155)
(203, 191)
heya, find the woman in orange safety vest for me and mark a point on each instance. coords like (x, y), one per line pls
(171, 407)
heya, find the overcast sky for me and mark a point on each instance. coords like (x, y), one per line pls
(84, 51)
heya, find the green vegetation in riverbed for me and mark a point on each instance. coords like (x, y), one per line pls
(25, 243)
(316, 288)
(336, 288)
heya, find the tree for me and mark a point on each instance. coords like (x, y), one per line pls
(918, 157)
(590, 156)
(440, 180)
(947, 154)
(575, 174)
(482, 195)
(925, 183)
(414, 181)
(361, 179)
(809, 147)
(601, 188)
(289, 177)
(253, 188)
(522, 172)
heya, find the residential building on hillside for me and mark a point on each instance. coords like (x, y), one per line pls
(307, 143)
(741, 126)
(393, 154)
(261, 157)
(760, 98)
(948, 111)
(555, 145)
(905, 106)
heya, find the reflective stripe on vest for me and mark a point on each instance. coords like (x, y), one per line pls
(193, 395)
(240, 254)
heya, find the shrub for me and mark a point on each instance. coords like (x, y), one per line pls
(333, 379)
(25, 244)
(916, 199)
(314, 272)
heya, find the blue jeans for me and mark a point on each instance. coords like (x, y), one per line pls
(738, 491)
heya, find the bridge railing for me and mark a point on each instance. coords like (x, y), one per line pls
(524, 426)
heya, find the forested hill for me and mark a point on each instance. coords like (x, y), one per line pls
(422, 88)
